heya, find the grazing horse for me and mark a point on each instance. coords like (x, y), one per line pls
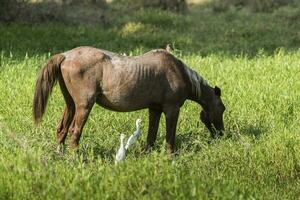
(155, 80)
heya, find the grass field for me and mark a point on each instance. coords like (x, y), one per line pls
(253, 57)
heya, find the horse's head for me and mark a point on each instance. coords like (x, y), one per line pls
(212, 113)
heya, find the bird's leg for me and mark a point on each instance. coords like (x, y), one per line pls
(154, 117)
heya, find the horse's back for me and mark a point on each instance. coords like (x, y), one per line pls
(139, 81)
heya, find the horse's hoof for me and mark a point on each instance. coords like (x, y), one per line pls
(147, 149)
(60, 149)
(171, 156)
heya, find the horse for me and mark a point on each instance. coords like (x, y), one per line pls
(156, 81)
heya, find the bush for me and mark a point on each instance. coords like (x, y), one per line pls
(66, 11)
(173, 5)
(267, 5)
(9, 9)
(254, 5)
(74, 11)
(24, 10)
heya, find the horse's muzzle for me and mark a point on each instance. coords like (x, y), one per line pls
(216, 129)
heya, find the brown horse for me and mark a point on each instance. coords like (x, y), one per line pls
(156, 80)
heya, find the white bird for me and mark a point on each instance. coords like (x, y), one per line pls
(121, 154)
(135, 135)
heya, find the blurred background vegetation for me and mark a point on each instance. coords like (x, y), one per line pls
(78, 11)
(231, 27)
(106, 11)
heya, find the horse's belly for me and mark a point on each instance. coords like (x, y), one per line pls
(123, 103)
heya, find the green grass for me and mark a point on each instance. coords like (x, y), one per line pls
(254, 58)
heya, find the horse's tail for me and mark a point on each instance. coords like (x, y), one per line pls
(44, 84)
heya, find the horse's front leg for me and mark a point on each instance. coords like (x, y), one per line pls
(154, 117)
(172, 114)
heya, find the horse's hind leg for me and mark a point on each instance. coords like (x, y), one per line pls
(71, 129)
(81, 85)
(80, 118)
(67, 118)
(59, 134)
(63, 126)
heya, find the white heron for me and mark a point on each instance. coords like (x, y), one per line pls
(135, 135)
(121, 154)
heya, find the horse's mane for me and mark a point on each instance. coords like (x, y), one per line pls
(195, 80)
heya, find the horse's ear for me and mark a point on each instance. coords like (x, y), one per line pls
(217, 91)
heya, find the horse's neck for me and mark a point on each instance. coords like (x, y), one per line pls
(197, 84)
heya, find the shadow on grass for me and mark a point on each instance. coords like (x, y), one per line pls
(99, 151)
(191, 141)
(185, 142)
(194, 142)
(254, 131)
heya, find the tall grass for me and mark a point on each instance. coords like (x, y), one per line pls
(253, 58)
